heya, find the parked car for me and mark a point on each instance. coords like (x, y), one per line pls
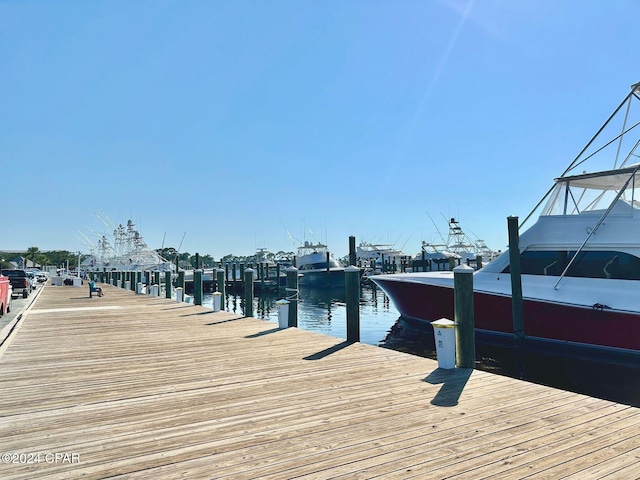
(5, 295)
(32, 279)
(20, 282)
(42, 276)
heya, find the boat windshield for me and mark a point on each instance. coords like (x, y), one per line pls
(594, 193)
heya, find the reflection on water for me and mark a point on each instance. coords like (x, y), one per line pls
(323, 310)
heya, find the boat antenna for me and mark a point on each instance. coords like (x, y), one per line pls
(163, 237)
(437, 229)
(310, 231)
(179, 246)
(293, 240)
(405, 242)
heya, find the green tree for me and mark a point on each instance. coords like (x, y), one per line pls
(32, 254)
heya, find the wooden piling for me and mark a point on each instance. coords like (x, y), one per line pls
(452, 263)
(221, 286)
(292, 295)
(515, 270)
(248, 292)
(352, 250)
(328, 255)
(167, 284)
(197, 287)
(180, 280)
(463, 315)
(352, 285)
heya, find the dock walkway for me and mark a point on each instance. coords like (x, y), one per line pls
(132, 386)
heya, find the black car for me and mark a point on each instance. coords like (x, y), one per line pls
(20, 282)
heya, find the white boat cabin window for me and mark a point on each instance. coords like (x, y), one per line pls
(589, 264)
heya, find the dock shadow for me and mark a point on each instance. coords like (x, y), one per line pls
(226, 320)
(453, 382)
(195, 314)
(265, 332)
(328, 351)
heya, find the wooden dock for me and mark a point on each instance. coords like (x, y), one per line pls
(130, 386)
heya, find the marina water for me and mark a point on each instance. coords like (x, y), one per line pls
(323, 310)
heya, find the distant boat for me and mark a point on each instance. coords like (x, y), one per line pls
(368, 253)
(125, 251)
(317, 267)
(580, 261)
(459, 246)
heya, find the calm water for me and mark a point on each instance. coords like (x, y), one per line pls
(324, 311)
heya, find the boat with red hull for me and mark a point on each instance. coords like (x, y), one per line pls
(580, 260)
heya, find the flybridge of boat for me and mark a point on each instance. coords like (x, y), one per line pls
(309, 248)
(612, 190)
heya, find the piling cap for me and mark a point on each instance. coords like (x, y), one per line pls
(463, 269)
(444, 323)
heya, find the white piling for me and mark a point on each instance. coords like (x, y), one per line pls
(217, 300)
(283, 313)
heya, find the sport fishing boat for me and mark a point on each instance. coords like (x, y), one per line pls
(317, 268)
(580, 260)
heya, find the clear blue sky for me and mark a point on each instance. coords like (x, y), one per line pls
(231, 120)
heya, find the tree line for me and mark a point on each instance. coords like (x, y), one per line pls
(56, 258)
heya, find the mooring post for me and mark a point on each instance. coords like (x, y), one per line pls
(352, 250)
(261, 275)
(220, 283)
(292, 295)
(452, 263)
(478, 262)
(517, 308)
(180, 281)
(133, 281)
(167, 284)
(352, 284)
(197, 287)
(248, 292)
(328, 256)
(463, 316)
